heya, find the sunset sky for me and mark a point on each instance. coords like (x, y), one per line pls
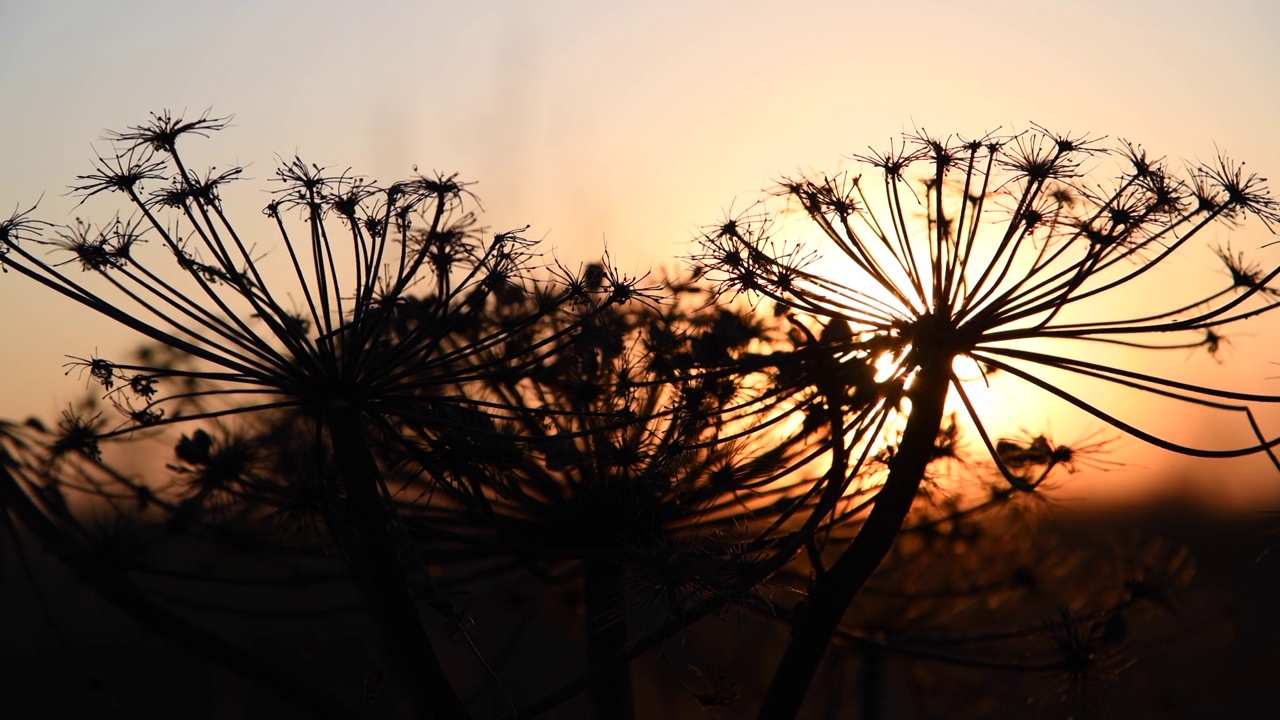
(631, 124)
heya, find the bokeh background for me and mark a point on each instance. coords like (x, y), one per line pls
(632, 124)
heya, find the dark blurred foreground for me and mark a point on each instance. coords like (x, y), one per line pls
(1162, 612)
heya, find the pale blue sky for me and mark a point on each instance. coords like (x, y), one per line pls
(631, 122)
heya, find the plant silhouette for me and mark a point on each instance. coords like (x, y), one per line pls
(643, 475)
(457, 418)
(362, 247)
(971, 249)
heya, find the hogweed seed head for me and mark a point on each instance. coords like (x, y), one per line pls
(259, 340)
(986, 249)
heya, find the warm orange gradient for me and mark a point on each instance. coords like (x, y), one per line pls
(631, 125)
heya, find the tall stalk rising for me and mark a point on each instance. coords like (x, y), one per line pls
(1005, 251)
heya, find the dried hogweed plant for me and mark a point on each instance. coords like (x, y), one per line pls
(616, 464)
(313, 339)
(644, 479)
(1010, 252)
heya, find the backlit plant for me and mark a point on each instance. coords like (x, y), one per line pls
(318, 342)
(644, 478)
(1010, 253)
(450, 407)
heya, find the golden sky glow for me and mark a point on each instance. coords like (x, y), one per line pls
(630, 124)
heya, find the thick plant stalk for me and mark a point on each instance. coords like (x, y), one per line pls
(835, 589)
(379, 555)
(606, 625)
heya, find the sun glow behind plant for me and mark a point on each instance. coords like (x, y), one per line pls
(1046, 260)
(1013, 250)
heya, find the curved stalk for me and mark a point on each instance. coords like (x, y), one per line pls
(835, 589)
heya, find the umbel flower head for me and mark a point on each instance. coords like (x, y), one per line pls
(1010, 252)
(643, 481)
(316, 337)
(631, 449)
(986, 249)
(315, 343)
